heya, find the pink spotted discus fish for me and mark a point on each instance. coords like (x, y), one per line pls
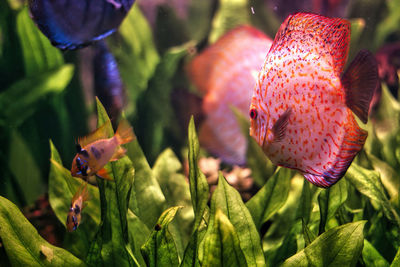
(302, 106)
(224, 72)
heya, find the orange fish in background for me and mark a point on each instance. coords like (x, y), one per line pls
(77, 204)
(224, 72)
(96, 150)
(301, 110)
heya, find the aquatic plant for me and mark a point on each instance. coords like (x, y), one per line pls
(151, 213)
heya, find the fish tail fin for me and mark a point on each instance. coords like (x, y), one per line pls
(360, 81)
(82, 192)
(124, 133)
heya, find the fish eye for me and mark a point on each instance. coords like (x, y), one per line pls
(77, 209)
(253, 113)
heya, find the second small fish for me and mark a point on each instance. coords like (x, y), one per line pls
(96, 150)
(77, 204)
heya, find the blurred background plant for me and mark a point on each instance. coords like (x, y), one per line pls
(46, 93)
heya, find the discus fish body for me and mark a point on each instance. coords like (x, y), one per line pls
(74, 216)
(224, 72)
(95, 151)
(301, 109)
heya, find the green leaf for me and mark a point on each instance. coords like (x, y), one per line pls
(271, 197)
(390, 178)
(29, 178)
(261, 167)
(369, 184)
(160, 249)
(396, 260)
(113, 237)
(197, 181)
(229, 201)
(339, 246)
(157, 117)
(24, 245)
(62, 187)
(357, 28)
(138, 235)
(177, 193)
(329, 202)
(24, 94)
(231, 13)
(309, 236)
(372, 257)
(389, 24)
(147, 200)
(304, 209)
(387, 127)
(135, 53)
(221, 244)
(199, 192)
(39, 55)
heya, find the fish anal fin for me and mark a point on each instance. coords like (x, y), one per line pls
(118, 154)
(359, 82)
(103, 173)
(99, 133)
(279, 128)
(317, 180)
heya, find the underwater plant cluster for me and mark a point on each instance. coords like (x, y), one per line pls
(125, 134)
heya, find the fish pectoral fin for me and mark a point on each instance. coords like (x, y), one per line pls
(360, 81)
(99, 133)
(103, 173)
(118, 154)
(279, 128)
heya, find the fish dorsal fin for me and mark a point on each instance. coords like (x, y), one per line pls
(99, 133)
(359, 82)
(279, 128)
(328, 36)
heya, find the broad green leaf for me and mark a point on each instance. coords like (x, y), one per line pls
(176, 191)
(62, 187)
(199, 23)
(369, 184)
(390, 178)
(113, 237)
(287, 248)
(138, 235)
(271, 197)
(157, 117)
(264, 18)
(304, 209)
(39, 55)
(330, 200)
(309, 236)
(199, 192)
(160, 249)
(396, 260)
(147, 200)
(24, 245)
(135, 53)
(372, 257)
(390, 23)
(197, 181)
(221, 244)
(229, 201)
(24, 94)
(261, 167)
(339, 246)
(231, 13)
(29, 177)
(387, 127)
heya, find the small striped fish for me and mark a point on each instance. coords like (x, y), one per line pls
(302, 106)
